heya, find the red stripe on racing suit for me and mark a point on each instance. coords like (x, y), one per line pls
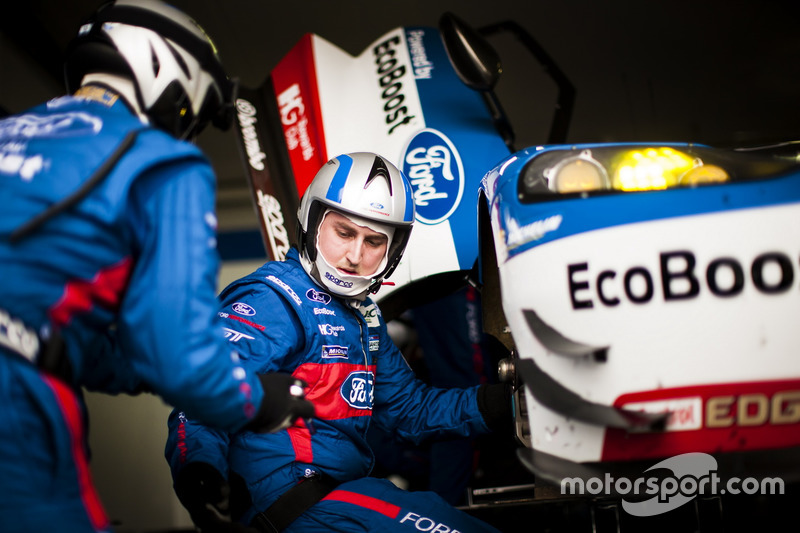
(105, 289)
(72, 417)
(367, 502)
(325, 382)
(300, 436)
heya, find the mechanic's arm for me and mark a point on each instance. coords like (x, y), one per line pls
(415, 411)
(197, 457)
(169, 326)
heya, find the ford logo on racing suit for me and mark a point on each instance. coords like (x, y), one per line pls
(50, 126)
(434, 168)
(318, 296)
(243, 309)
(357, 390)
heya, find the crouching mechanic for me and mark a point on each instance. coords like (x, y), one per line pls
(311, 316)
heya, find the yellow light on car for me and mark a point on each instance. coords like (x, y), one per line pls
(577, 174)
(704, 174)
(650, 168)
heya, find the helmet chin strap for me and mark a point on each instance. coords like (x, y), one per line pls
(331, 278)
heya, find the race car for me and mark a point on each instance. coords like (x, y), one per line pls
(646, 292)
(650, 290)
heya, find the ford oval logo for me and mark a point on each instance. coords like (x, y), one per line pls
(318, 296)
(434, 168)
(243, 309)
(357, 390)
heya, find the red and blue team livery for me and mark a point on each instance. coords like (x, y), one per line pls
(280, 320)
(116, 280)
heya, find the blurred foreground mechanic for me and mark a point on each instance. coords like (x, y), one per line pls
(108, 262)
(310, 316)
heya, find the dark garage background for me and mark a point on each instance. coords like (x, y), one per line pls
(721, 73)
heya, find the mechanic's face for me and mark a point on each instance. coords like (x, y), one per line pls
(352, 249)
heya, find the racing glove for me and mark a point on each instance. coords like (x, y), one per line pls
(495, 405)
(205, 494)
(284, 402)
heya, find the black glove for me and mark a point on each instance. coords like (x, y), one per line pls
(205, 494)
(495, 405)
(284, 402)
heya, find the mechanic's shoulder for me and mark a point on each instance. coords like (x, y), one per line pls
(256, 282)
(160, 142)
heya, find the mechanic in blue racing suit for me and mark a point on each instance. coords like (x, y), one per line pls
(310, 316)
(108, 262)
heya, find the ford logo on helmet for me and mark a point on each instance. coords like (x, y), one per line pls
(357, 390)
(436, 173)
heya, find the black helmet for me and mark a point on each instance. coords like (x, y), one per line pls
(178, 78)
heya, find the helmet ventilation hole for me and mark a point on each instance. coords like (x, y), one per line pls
(156, 63)
(179, 60)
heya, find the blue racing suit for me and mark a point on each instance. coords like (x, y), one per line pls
(125, 277)
(280, 320)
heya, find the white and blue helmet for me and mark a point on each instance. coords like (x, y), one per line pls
(373, 192)
(173, 66)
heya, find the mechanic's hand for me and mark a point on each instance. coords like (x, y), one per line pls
(284, 402)
(495, 405)
(204, 493)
